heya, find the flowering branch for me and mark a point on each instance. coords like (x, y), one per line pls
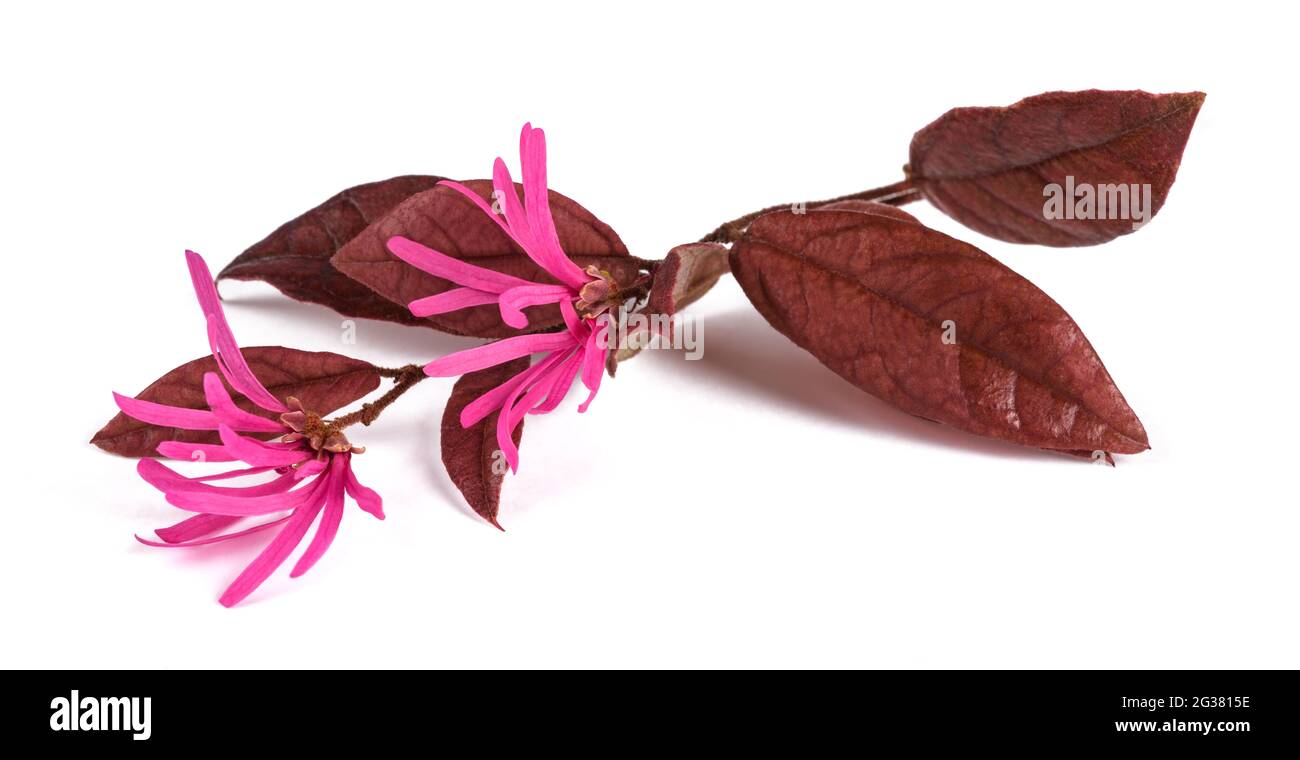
(915, 317)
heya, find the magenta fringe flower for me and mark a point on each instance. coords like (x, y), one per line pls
(580, 349)
(311, 462)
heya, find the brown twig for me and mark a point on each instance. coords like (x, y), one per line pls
(406, 378)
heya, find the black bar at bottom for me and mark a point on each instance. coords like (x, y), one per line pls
(674, 711)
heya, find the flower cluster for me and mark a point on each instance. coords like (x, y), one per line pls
(577, 350)
(310, 459)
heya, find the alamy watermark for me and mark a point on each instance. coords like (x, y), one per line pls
(1085, 200)
(638, 331)
(78, 713)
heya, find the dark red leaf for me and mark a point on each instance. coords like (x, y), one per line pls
(870, 207)
(296, 257)
(876, 300)
(682, 278)
(448, 222)
(471, 455)
(988, 167)
(685, 275)
(323, 382)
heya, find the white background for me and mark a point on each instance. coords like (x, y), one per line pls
(748, 509)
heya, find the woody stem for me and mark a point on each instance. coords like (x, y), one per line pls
(406, 378)
(896, 194)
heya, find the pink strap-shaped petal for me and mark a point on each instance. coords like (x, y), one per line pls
(223, 406)
(547, 256)
(532, 163)
(532, 157)
(202, 524)
(593, 363)
(167, 480)
(195, 452)
(257, 453)
(204, 286)
(366, 498)
(223, 504)
(590, 397)
(441, 265)
(505, 431)
(329, 524)
(515, 300)
(491, 401)
(211, 539)
(535, 396)
(275, 552)
(307, 469)
(542, 378)
(516, 218)
(562, 380)
(482, 204)
(230, 360)
(452, 300)
(222, 341)
(498, 352)
(514, 409)
(167, 416)
(572, 321)
(231, 474)
(194, 527)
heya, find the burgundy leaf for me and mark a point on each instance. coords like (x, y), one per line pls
(870, 207)
(449, 223)
(471, 455)
(296, 257)
(881, 301)
(988, 167)
(321, 380)
(682, 278)
(685, 275)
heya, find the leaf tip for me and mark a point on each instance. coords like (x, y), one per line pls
(1189, 101)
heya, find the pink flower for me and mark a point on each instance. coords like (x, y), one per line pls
(582, 297)
(312, 463)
